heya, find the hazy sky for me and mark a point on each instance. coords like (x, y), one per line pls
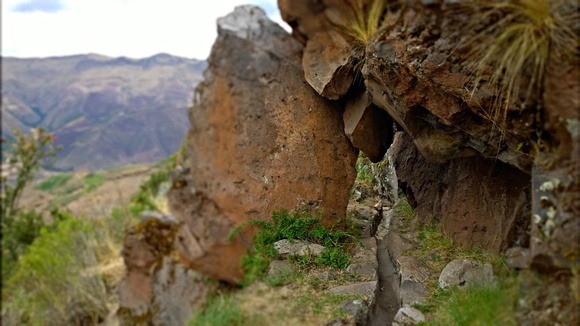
(132, 28)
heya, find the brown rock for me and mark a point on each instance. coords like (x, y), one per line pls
(157, 289)
(556, 176)
(417, 73)
(368, 127)
(478, 201)
(327, 63)
(260, 140)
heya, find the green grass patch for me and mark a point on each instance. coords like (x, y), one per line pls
(363, 170)
(296, 226)
(53, 182)
(481, 305)
(220, 310)
(93, 181)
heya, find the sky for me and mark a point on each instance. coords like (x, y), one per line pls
(131, 28)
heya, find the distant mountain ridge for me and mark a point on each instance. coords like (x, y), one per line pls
(104, 111)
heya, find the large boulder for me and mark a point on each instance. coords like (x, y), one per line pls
(261, 140)
(478, 201)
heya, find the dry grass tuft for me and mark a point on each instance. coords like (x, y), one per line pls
(525, 36)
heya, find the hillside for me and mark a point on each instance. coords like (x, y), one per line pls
(104, 111)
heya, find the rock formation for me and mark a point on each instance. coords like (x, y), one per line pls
(478, 201)
(260, 140)
(278, 120)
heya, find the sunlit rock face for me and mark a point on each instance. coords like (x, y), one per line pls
(260, 140)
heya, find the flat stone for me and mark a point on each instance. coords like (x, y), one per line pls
(286, 248)
(466, 273)
(358, 308)
(279, 268)
(365, 288)
(413, 269)
(517, 257)
(412, 292)
(368, 127)
(408, 315)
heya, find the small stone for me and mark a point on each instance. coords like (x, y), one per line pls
(408, 315)
(413, 269)
(279, 268)
(358, 309)
(365, 288)
(287, 248)
(412, 292)
(465, 273)
(517, 257)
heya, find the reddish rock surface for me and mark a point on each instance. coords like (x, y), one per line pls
(368, 127)
(260, 140)
(478, 201)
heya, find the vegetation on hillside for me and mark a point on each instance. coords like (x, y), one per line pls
(295, 226)
(77, 285)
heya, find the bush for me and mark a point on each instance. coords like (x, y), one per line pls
(296, 226)
(50, 285)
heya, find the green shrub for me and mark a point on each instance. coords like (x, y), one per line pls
(296, 226)
(93, 181)
(54, 181)
(50, 286)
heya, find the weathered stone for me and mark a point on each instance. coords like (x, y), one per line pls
(358, 309)
(517, 257)
(408, 315)
(413, 269)
(478, 201)
(328, 65)
(365, 218)
(368, 127)
(260, 140)
(556, 176)
(177, 293)
(287, 248)
(364, 263)
(465, 273)
(157, 289)
(280, 268)
(412, 292)
(365, 288)
(417, 73)
(386, 301)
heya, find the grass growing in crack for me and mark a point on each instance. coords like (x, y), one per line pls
(296, 226)
(220, 310)
(437, 250)
(363, 170)
(480, 305)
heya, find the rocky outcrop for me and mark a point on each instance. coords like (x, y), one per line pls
(478, 201)
(157, 289)
(260, 140)
(556, 176)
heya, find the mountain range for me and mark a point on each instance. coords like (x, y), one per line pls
(103, 111)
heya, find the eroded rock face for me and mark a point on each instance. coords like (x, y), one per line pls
(556, 176)
(260, 140)
(417, 72)
(478, 201)
(157, 289)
